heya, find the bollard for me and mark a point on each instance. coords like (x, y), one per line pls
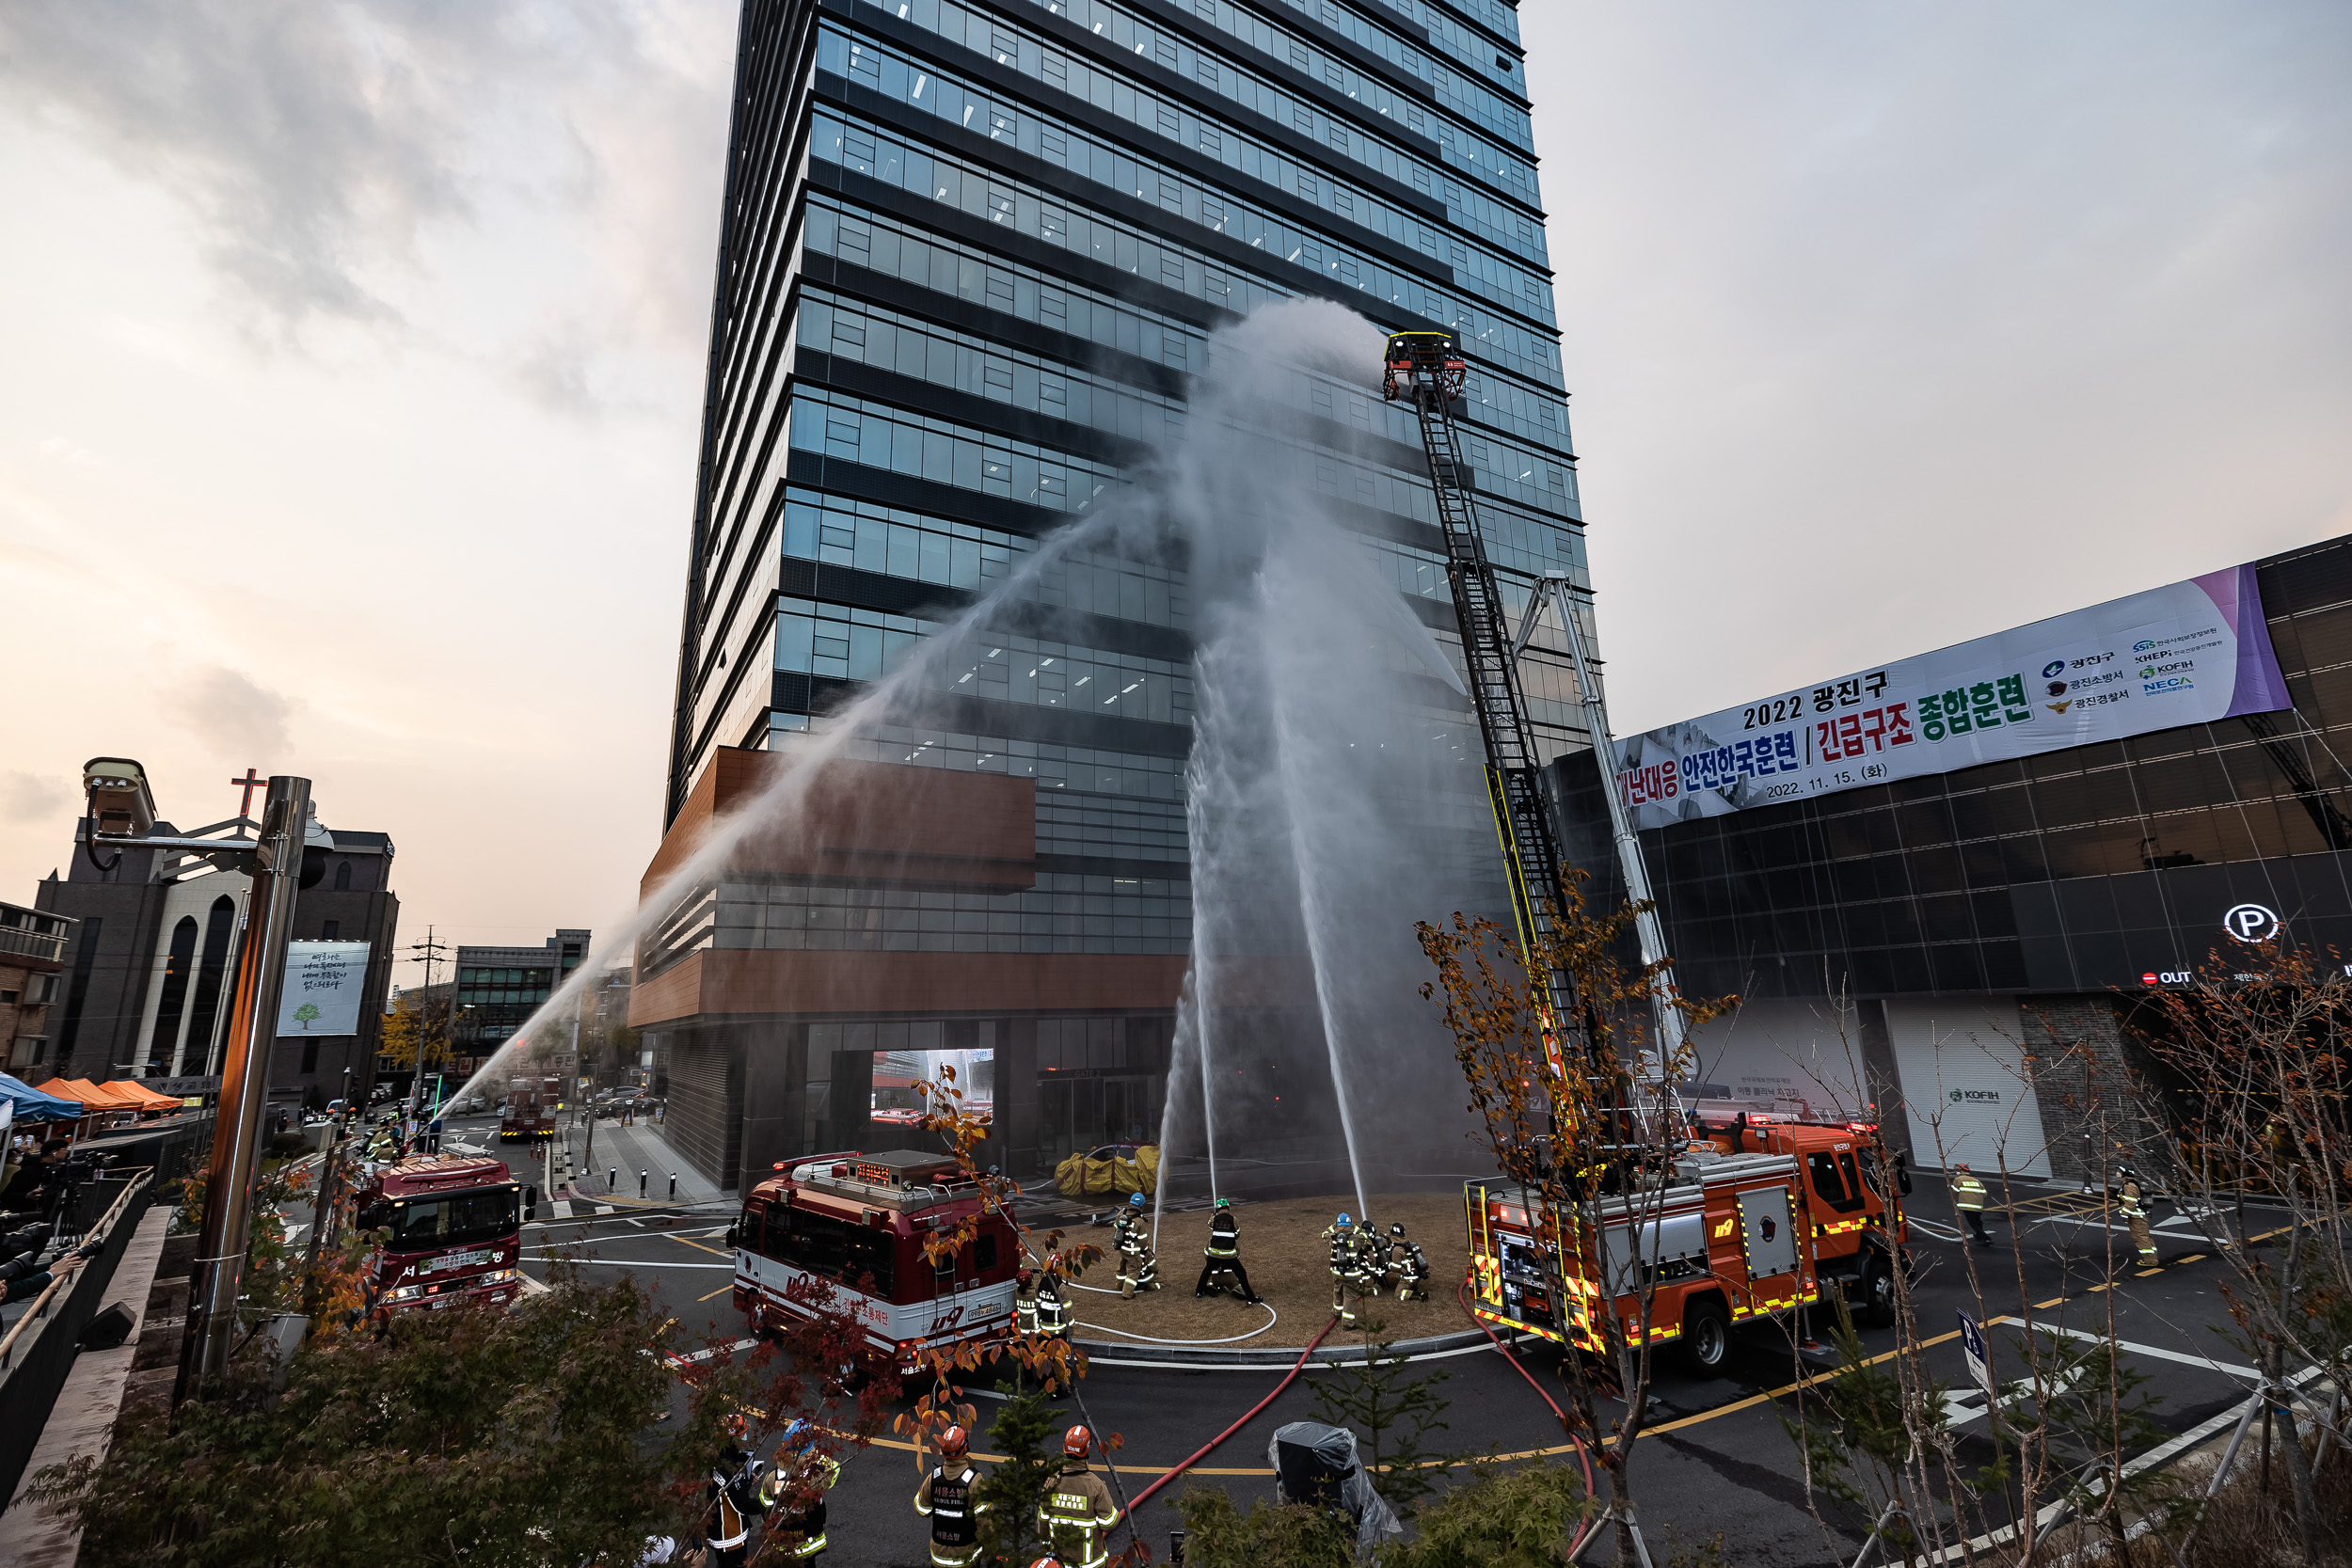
(674, 1184)
(640, 1183)
(612, 1178)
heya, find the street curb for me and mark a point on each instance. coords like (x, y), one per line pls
(1271, 1356)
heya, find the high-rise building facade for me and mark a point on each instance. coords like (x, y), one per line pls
(972, 251)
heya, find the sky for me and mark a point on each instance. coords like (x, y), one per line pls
(351, 369)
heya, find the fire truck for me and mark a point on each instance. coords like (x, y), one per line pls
(456, 1231)
(857, 1222)
(1760, 1216)
(530, 1108)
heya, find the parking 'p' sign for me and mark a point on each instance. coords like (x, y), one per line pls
(2250, 923)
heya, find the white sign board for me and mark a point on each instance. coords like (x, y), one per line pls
(2186, 654)
(323, 981)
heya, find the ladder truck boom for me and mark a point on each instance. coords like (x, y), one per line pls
(1427, 369)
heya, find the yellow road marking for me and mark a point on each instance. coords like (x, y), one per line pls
(2145, 1273)
(2054, 1301)
(715, 1252)
(720, 1291)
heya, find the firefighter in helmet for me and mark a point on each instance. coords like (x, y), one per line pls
(1138, 1260)
(1412, 1269)
(1223, 1257)
(1341, 1236)
(2134, 1211)
(731, 1496)
(1078, 1511)
(947, 1500)
(1052, 1314)
(1968, 1198)
(1025, 1302)
(1367, 1258)
(793, 1492)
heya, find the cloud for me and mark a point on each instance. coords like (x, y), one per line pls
(29, 796)
(229, 710)
(316, 142)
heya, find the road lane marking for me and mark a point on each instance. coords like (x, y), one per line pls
(2187, 1358)
(715, 1294)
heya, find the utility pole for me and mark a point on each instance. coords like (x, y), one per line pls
(220, 1253)
(432, 952)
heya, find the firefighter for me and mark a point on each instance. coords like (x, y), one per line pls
(1968, 1198)
(1078, 1511)
(793, 1493)
(1367, 1259)
(1025, 1302)
(1052, 1316)
(1223, 1257)
(1412, 1269)
(2135, 1216)
(733, 1498)
(1340, 1233)
(946, 1500)
(1138, 1262)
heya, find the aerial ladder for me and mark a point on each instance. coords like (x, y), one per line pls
(1427, 369)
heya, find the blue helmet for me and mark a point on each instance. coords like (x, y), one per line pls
(1343, 1219)
(797, 1437)
(1136, 1201)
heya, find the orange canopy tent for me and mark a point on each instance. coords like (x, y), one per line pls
(149, 1099)
(94, 1097)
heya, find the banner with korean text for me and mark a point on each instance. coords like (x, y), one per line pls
(2186, 654)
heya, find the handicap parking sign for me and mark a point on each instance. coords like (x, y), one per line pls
(1972, 1346)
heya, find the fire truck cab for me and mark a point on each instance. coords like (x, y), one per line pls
(1851, 1192)
(1733, 1234)
(453, 1229)
(857, 1222)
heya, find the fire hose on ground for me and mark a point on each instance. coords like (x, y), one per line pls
(1300, 1365)
(1461, 1293)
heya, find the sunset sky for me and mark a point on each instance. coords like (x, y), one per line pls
(353, 367)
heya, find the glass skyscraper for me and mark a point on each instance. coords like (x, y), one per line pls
(971, 254)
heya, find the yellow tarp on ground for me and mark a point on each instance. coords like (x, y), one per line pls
(1080, 1177)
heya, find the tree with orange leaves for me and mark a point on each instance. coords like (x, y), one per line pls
(1568, 1124)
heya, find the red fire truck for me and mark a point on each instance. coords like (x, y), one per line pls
(455, 1229)
(1750, 1226)
(857, 1222)
(530, 1109)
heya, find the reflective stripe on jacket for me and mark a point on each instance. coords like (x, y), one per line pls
(1967, 1192)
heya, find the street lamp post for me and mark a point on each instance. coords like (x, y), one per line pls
(121, 813)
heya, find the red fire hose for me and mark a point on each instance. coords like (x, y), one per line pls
(1461, 1293)
(1144, 1495)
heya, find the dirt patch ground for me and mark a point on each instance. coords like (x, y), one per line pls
(1289, 1267)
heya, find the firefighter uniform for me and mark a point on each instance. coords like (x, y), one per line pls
(798, 1525)
(1968, 1198)
(1078, 1515)
(1367, 1261)
(1341, 1235)
(1223, 1257)
(733, 1503)
(1413, 1275)
(2136, 1214)
(1053, 1319)
(1139, 1262)
(1025, 1304)
(946, 1500)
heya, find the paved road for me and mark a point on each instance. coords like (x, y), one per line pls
(1715, 1457)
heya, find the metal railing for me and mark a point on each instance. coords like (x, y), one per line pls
(22, 1331)
(17, 943)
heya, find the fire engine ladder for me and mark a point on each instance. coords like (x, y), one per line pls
(1532, 859)
(1646, 930)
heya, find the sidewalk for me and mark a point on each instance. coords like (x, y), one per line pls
(631, 1149)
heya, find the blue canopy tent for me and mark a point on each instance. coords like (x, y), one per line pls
(31, 1105)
